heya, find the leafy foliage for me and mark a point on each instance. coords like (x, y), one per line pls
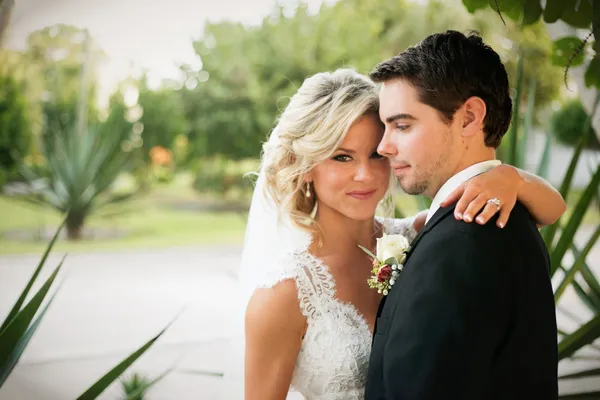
(248, 73)
(162, 118)
(569, 51)
(569, 122)
(15, 131)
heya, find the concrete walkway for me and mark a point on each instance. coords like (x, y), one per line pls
(111, 303)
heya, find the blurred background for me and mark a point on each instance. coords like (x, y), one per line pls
(133, 123)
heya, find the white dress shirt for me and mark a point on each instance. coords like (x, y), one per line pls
(456, 180)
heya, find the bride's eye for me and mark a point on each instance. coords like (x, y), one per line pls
(342, 158)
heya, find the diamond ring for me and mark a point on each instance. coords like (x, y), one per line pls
(495, 201)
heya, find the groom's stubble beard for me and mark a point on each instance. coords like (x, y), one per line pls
(430, 177)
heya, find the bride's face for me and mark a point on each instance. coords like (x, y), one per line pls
(355, 178)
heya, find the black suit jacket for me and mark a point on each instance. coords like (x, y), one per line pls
(470, 317)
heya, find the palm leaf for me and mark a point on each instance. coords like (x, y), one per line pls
(574, 222)
(592, 297)
(591, 300)
(577, 265)
(581, 374)
(14, 331)
(587, 395)
(6, 368)
(100, 386)
(583, 336)
(19, 303)
(544, 165)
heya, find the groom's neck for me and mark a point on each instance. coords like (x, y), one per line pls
(468, 159)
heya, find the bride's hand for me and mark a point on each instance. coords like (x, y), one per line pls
(419, 221)
(502, 182)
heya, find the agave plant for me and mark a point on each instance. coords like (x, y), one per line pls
(82, 166)
(136, 385)
(21, 323)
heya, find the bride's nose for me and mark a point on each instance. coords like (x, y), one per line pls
(364, 172)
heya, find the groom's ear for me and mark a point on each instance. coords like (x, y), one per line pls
(474, 110)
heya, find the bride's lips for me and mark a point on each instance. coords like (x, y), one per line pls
(362, 194)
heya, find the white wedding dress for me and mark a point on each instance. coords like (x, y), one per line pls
(334, 356)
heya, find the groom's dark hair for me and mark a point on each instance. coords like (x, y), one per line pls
(446, 69)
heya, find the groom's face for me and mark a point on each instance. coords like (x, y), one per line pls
(417, 141)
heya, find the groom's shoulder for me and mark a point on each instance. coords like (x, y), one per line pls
(520, 225)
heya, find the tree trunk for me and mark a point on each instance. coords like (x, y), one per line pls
(75, 226)
(556, 31)
(6, 7)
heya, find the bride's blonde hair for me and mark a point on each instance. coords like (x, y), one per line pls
(309, 130)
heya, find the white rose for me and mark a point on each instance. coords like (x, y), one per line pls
(392, 246)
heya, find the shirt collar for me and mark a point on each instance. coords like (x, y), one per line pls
(456, 180)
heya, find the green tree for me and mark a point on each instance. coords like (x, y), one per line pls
(13, 66)
(162, 119)
(568, 123)
(248, 73)
(118, 123)
(57, 53)
(568, 51)
(15, 132)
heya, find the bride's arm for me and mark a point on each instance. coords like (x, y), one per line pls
(274, 329)
(508, 184)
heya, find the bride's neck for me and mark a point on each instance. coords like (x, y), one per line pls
(343, 234)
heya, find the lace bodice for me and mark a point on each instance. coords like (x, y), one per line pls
(333, 359)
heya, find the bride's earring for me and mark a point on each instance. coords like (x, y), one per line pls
(307, 189)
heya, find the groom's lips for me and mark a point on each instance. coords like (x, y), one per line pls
(400, 167)
(362, 194)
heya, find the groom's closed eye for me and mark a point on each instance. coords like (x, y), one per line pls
(402, 127)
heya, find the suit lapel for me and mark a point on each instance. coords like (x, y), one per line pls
(435, 219)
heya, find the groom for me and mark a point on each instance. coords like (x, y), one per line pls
(472, 314)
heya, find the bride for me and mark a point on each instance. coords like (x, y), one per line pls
(308, 312)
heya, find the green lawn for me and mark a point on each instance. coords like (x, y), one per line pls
(148, 222)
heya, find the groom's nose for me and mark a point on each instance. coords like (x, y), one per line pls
(386, 148)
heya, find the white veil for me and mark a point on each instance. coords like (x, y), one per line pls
(269, 238)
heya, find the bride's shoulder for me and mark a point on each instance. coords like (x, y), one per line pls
(274, 310)
(277, 291)
(285, 267)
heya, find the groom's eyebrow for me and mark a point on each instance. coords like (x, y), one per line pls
(399, 116)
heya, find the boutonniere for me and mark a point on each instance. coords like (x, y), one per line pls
(388, 263)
